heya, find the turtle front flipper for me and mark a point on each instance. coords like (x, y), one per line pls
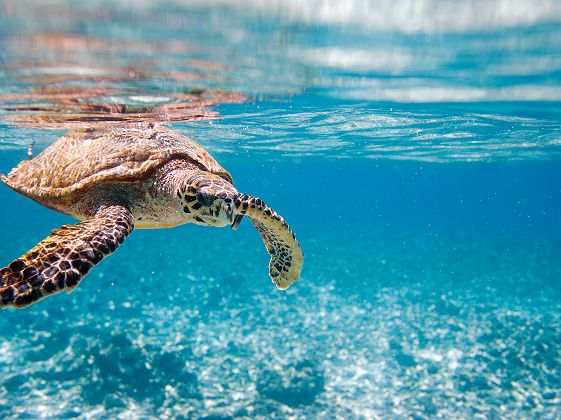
(60, 260)
(286, 255)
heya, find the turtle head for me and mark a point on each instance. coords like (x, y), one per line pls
(209, 200)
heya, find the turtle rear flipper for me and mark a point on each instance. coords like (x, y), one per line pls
(60, 260)
(286, 255)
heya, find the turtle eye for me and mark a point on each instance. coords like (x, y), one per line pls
(205, 199)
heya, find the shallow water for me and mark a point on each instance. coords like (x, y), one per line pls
(415, 152)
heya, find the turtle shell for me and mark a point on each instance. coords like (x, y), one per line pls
(81, 159)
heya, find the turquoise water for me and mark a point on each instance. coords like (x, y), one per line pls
(414, 149)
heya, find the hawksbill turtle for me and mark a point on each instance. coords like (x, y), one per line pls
(120, 178)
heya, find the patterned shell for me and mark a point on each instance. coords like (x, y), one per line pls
(81, 159)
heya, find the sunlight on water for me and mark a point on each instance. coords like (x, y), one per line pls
(84, 66)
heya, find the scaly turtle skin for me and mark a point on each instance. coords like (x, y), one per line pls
(118, 179)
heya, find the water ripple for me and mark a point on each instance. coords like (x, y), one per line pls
(363, 130)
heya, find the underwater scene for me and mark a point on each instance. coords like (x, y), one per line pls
(412, 147)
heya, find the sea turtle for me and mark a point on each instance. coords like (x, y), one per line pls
(120, 178)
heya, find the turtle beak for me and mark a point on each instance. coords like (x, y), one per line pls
(229, 212)
(237, 221)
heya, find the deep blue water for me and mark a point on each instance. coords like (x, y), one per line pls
(416, 154)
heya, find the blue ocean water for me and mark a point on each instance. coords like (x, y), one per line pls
(413, 147)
